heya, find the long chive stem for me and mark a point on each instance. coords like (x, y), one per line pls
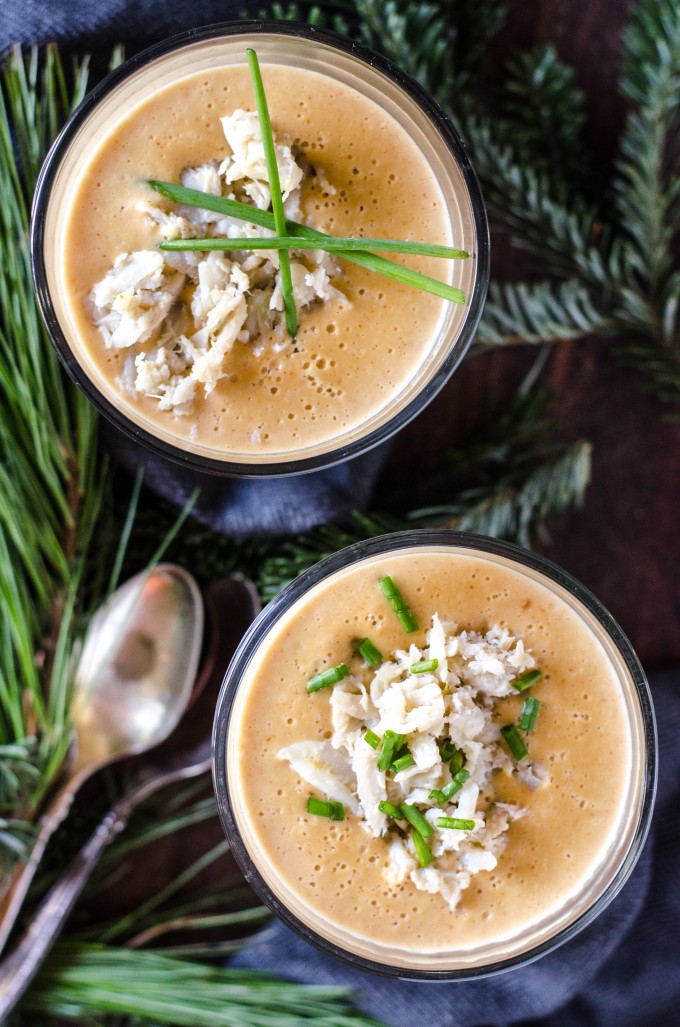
(254, 216)
(275, 189)
(455, 823)
(323, 808)
(330, 243)
(514, 743)
(417, 820)
(398, 604)
(324, 678)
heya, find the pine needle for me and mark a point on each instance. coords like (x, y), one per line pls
(85, 980)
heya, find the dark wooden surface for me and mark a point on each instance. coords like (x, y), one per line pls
(624, 544)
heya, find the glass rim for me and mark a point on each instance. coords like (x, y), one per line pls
(338, 453)
(384, 544)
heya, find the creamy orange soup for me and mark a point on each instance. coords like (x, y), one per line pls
(350, 360)
(330, 874)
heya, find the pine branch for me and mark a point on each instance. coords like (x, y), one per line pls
(648, 190)
(547, 113)
(415, 36)
(80, 981)
(309, 13)
(537, 313)
(52, 479)
(519, 512)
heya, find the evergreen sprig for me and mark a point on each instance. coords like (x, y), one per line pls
(51, 476)
(81, 981)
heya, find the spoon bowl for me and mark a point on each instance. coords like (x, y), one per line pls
(137, 667)
(132, 683)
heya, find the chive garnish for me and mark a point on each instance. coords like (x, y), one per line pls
(456, 762)
(527, 680)
(527, 720)
(422, 849)
(514, 743)
(416, 819)
(372, 739)
(387, 750)
(390, 811)
(446, 750)
(455, 823)
(322, 808)
(424, 667)
(254, 216)
(370, 653)
(327, 677)
(331, 244)
(275, 189)
(403, 763)
(455, 784)
(398, 604)
(451, 755)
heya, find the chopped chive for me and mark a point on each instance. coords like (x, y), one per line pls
(527, 680)
(387, 750)
(456, 762)
(455, 784)
(254, 216)
(370, 653)
(403, 763)
(422, 849)
(275, 189)
(331, 244)
(424, 667)
(416, 819)
(451, 755)
(327, 677)
(398, 604)
(322, 808)
(527, 719)
(390, 811)
(514, 743)
(372, 739)
(446, 750)
(455, 824)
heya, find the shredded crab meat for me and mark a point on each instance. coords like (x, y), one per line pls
(455, 702)
(180, 313)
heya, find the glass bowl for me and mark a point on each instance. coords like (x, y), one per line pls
(264, 833)
(291, 46)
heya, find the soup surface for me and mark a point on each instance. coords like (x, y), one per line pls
(350, 359)
(331, 874)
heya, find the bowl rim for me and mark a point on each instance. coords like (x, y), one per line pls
(236, 468)
(382, 545)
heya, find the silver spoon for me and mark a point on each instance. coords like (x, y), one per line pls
(232, 604)
(132, 684)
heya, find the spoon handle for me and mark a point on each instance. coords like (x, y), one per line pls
(18, 969)
(15, 893)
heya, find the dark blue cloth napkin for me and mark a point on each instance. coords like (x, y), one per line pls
(622, 971)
